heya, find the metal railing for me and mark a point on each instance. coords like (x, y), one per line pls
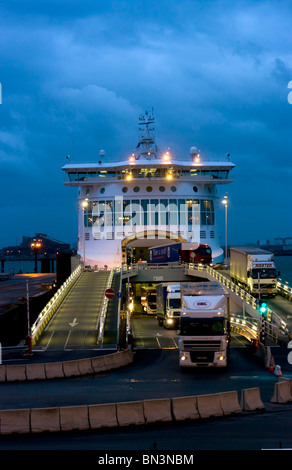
(284, 290)
(247, 327)
(53, 305)
(103, 309)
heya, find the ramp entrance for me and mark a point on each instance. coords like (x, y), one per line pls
(75, 324)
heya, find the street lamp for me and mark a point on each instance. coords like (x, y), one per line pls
(84, 205)
(225, 202)
(36, 246)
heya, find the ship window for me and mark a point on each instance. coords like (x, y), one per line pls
(125, 189)
(102, 190)
(173, 189)
(162, 189)
(195, 189)
(149, 189)
(73, 176)
(136, 189)
(153, 212)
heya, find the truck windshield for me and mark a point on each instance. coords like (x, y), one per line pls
(151, 298)
(264, 273)
(174, 303)
(202, 326)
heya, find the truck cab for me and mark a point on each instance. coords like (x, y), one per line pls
(168, 305)
(204, 335)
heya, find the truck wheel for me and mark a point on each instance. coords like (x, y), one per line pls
(160, 323)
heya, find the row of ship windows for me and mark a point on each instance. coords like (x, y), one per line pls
(149, 219)
(119, 203)
(111, 235)
(149, 212)
(146, 173)
(149, 189)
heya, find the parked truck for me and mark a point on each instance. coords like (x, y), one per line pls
(168, 303)
(204, 332)
(184, 252)
(255, 270)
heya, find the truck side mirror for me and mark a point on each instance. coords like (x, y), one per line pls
(248, 273)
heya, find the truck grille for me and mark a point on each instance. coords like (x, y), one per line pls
(204, 345)
(202, 357)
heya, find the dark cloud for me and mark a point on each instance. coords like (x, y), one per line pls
(76, 75)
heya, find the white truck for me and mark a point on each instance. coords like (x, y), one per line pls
(168, 303)
(204, 334)
(254, 269)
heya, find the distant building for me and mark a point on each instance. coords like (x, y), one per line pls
(277, 245)
(41, 242)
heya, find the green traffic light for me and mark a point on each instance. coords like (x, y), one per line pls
(263, 308)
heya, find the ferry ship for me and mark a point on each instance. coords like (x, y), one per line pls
(147, 199)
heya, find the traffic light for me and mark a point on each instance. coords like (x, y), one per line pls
(263, 308)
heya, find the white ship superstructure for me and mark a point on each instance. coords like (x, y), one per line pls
(148, 199)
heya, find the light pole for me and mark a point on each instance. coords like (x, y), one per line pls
(36, 246)
(84, 205)
(225, 202)
(29, 343)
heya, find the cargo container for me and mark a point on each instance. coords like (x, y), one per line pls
(184, 252)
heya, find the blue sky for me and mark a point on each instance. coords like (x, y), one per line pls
(76, 75)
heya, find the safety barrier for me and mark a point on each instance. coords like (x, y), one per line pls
(122, 414)
(157, 410)
(53, 370)
(229, 403)
(35, 371)
(209, 405)
(15, 421)
(251, 399)
(45, 419)
(74, 417)
(130, 413)
(15, 372)
(282, 391)
(185, 408)
(103, 415)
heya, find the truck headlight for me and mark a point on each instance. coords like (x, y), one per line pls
(169, 321)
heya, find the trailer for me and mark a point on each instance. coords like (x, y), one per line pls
(254, 269)
(184, 252)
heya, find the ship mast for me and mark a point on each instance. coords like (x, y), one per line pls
(146, 147)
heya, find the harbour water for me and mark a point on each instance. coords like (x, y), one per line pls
(22, 267)
(284, 265)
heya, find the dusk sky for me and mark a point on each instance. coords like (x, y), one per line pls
(76, 75)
